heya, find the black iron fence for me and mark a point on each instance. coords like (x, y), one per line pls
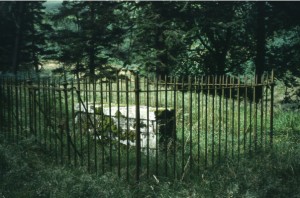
(141, 126)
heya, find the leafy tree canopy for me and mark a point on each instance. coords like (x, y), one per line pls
(162, 38)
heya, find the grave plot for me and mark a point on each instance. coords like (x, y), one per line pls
(119, 124)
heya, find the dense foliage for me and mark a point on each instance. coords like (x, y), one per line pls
(23, 35)
(179, 38)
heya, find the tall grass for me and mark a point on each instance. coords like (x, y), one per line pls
(26, 170)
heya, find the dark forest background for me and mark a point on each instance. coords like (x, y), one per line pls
(173, 38)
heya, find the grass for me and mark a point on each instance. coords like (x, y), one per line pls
(28, 171)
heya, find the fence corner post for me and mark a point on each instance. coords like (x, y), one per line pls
(67, 127)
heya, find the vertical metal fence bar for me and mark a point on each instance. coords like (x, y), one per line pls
(12, 114)
(61, 125)
(119, 126)
(272, 109)
(202, 115)
(87, 124)
(232, 116)
(190, 122)
(49, 125)
(2, 116)
(3, 119)
(166, 124)
(21, 107)
(2, 108)
(206, 121)
(250, 117)
(106, 92)
(5, 108)
(35, 112)
(41, 110)
(55, 121)
(174, 127)
(6, 113)
(102, 126)
(148, 135)
(10, 107)
(131, 96)
(156, 127)
(121, 89)
(182, 125)
(262, 112)
(265, 98)
(138, 131)
(12, 134)
(255, 114)
(80, 120)
(160, 95)
(38, 109)
(50, 114)
(144, 88)
(199, 91)
(226, 118)
(213, 119)
(14, 110)
(67, 127)
(17, 110)
(239, 118)
(21, 102)
(50, 111)
(45, 112)
(26, 101)
(245, 111)
(266, 104)
(73, 122)
(90, 80)
(127, 129)
(110, 124)
(95, 131)
(221, 92)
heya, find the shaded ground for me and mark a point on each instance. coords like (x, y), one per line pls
(26, 171)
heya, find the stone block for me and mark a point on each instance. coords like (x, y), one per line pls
(121, 123)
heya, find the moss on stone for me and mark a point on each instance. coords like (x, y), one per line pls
(118, 114)
(99, 110)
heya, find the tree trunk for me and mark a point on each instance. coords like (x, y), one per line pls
(162, 57)
(16, 52)
(92, 50)
(260, 47)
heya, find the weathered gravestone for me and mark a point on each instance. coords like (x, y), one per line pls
(119, 124)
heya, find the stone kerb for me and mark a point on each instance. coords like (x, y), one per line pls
(120, 116)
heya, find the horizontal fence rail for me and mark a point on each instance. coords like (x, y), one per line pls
(141, 126)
